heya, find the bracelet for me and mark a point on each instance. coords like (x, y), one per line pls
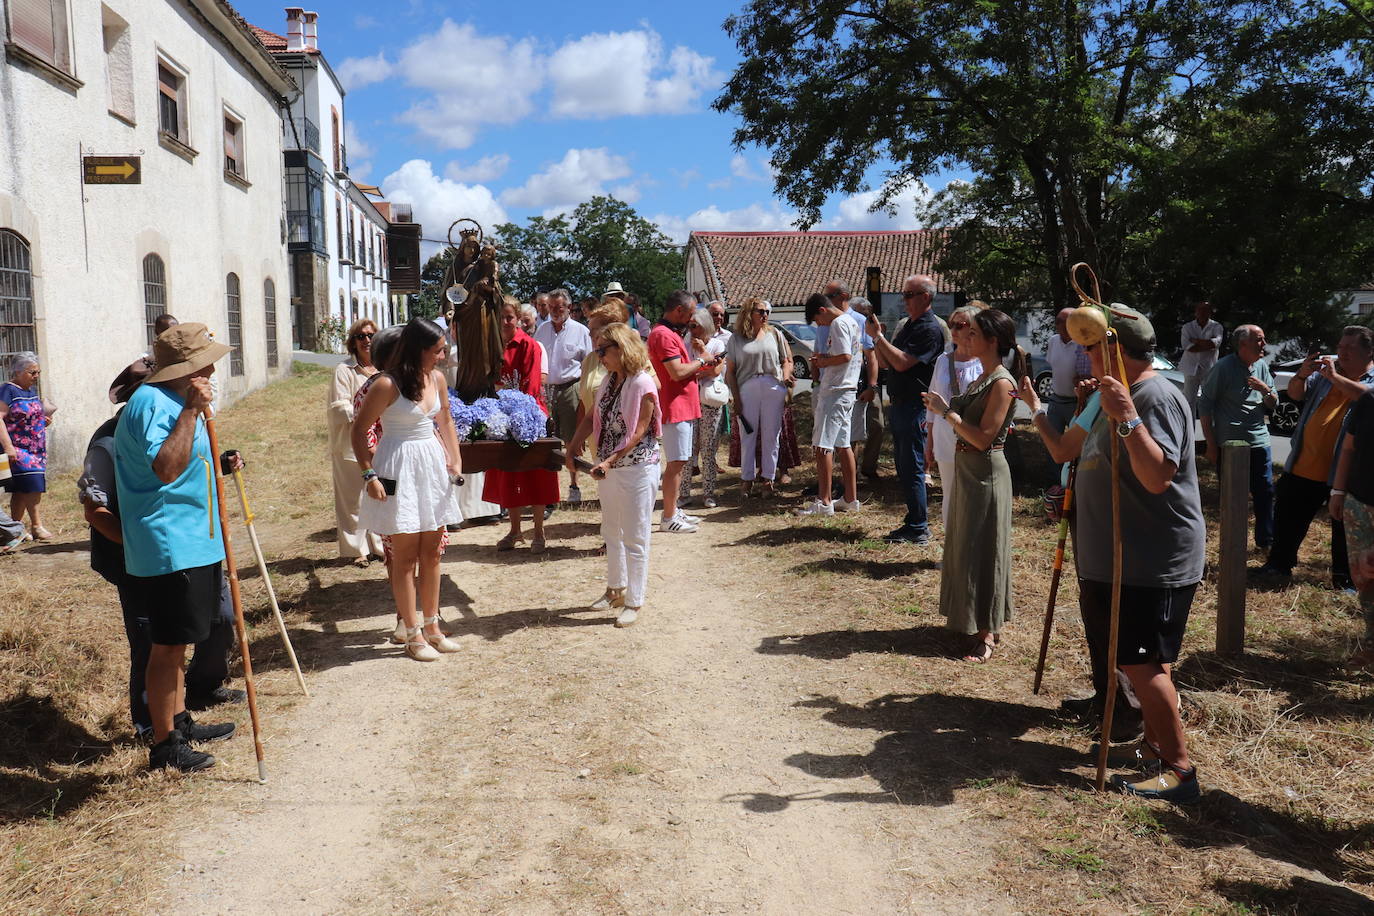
(1041, 411)
(1337, 492)
(368, 475)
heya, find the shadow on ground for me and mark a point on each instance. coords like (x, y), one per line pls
(924, 641)
(1309, 672)
(42, 753)
(872, 569)
(1297, 897)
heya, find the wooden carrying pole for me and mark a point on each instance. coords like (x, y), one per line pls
(1111, 355)
(1235, 533)
(232, 571)
(1056, 576)
(267, 580)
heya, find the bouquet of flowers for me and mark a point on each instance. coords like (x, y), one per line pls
(511, 415)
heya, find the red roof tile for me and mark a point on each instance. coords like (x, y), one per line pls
(787, 267)
(270, 40)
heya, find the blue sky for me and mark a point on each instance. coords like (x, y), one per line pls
(504, 111)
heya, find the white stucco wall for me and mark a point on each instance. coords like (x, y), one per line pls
(87, 256)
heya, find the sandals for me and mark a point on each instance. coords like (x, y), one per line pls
(537, 545)
(980, 653)
(509, 541)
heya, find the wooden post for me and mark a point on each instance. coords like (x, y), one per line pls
(1235, 536)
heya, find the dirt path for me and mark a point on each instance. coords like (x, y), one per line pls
(559, 764)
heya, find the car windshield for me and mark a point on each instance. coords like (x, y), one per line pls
(801, 331)
(1161, 363)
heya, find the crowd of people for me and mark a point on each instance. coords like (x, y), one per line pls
(644, 409)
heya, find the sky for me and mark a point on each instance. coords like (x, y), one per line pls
(503, 111)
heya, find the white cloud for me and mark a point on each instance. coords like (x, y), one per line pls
(741, 168)
(357, 72)
(359, 153)
(437, 202)
(578, 176)
(474, 80)
(753, 218)
(854, 212)
(488, 168)
(605, 75)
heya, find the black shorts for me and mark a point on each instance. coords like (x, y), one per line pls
(180, 606)
(1152, 619)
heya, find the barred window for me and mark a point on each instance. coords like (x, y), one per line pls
(154, 293)
(16, 297)
(235, 309)
(269, 312)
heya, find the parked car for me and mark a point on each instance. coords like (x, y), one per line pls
(1284, 419)
(1043, 376)
(801, 338)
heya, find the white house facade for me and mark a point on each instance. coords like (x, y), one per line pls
(336, 235)
(183, 93)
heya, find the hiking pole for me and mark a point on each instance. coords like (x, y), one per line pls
(267, 580)
(234, 594)
(1056, 575)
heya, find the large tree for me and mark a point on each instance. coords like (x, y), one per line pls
(1172, 144)
(603, 240)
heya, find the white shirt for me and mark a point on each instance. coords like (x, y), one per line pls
(966, 372)
(843, 340)
(1196, 363)
(565, 350)
(1064, 359)
(722, 337)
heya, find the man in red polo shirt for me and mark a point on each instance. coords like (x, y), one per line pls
(677, 372)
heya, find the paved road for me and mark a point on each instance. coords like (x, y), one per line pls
(320, 359)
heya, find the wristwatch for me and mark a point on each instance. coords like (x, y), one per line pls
(1125, 428)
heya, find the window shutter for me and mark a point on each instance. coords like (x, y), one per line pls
(40, 27)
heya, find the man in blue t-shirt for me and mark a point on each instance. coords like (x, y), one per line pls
(169, 521)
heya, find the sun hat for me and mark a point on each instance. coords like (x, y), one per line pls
(614, 289)
(182, 350)
(127, 381)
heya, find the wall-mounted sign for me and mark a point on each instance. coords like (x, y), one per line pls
(112, 169)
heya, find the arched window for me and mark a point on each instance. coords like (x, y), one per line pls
(154, 293)
(235, 310)
(269, 312)
(16, 297)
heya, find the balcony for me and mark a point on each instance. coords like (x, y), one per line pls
(306, 136)
(342, 171)
(304, 230)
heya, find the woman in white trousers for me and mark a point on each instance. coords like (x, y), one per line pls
(625, 425)
(758, 373)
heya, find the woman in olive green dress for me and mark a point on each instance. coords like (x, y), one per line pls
(975, 580)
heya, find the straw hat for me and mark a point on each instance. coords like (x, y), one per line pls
(184, 349)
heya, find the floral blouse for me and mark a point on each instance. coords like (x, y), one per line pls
(614, 430)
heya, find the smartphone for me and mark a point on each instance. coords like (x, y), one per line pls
(388, 486)
(1314, 350)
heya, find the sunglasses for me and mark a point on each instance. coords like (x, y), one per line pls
(605, 348)
(763, 311)
(958, 325)
(362, 335)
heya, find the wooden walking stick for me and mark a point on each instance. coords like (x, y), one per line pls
(1090, 324)
(234, 594)
(267, 579)
(1056, 575)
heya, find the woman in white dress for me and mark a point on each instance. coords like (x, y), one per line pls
(954, 372)
(354, 542)
(408, 485)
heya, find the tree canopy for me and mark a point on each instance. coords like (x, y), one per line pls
(1220, 148)
(603, 240)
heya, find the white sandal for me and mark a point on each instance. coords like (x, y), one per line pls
(418, 647)
(440, 642)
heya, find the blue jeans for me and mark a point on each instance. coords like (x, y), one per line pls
(907, 420)
(1262, 494)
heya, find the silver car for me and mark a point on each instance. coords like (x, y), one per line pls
(801, 338)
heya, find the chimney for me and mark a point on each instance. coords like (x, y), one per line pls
(312, 42)
(295, 37)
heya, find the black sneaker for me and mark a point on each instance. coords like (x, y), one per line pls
(196, 733)
(1269, 571)
(199, 701)
(174, 753)
(905, 535)
(1089, 707)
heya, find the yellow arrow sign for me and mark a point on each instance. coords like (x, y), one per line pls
(124, 169)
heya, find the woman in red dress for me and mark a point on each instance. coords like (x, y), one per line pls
(514, 490)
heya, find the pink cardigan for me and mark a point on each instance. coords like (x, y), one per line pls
(631, 395)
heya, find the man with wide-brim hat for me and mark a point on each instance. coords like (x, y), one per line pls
(614, 291)
(169, 522)
(1162, 529)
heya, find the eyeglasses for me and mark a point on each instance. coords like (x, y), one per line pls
(362, 335)
(763, 311)
(958, 325)
(605, 348)
(835, 295)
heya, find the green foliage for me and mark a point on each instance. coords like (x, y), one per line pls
(329, 336)
(604, 239)
(431, 283)
(1222, 146)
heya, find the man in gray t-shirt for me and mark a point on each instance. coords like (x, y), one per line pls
(1162, 536)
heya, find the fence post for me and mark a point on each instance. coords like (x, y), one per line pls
(1235, 535)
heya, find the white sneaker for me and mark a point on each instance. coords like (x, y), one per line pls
(689, 519)
(677, 525)
(627, 617)
(816, 507)
(708, 503)
(846, 506)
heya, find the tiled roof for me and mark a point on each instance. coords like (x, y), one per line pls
(270, 40)
(787, 267)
